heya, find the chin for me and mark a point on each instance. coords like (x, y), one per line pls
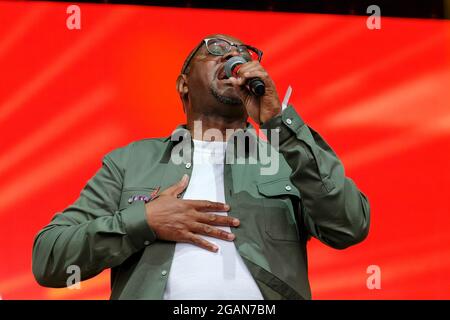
(226, 95)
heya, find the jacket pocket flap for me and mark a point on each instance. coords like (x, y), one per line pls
(278, 187)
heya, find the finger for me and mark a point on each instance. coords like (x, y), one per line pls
(249, 64)
(217, 220)
(247, 67)
(178, 187)
(254, 73)
(237, 82)
(244, 76)
(205, 205)
(202, 243)
(208, 230)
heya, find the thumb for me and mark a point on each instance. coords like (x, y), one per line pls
(178, 187)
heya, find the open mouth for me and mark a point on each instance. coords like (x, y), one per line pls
(221, 75)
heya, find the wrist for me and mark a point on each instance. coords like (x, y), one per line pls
(267, 117)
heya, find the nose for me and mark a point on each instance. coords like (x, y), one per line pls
(233, 52)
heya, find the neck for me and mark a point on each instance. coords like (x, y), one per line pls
(212, 127)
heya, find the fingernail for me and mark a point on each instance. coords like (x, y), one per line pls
(215, 248)
(227, 207)
(185, 177)
(231, 236)
(235, 222)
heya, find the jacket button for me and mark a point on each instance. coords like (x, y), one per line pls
(288, 188)
(288, 121)
(146, 242)
(164, 272)
(188, 165)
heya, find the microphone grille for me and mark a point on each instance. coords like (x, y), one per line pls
(232, 63)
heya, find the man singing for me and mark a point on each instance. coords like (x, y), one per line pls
(201, 224)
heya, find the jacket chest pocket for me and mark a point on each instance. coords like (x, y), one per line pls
(130, 195)
(279, 212)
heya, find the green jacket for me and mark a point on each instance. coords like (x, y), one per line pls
(308, 196)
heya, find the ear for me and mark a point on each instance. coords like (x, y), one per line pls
(182, 88)
(182, 84)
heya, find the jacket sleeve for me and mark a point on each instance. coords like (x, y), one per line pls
(92, 233)
(334, 210)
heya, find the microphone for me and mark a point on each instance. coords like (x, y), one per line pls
(256, 85)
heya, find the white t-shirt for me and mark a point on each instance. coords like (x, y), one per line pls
(199, 274)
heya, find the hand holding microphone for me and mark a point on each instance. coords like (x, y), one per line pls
(232, 66)
(260, 99)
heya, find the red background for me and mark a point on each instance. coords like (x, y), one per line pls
(381, 98)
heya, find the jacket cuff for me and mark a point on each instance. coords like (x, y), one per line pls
(288, 123)
(136, 225)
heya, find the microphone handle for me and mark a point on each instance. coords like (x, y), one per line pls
(257, 87)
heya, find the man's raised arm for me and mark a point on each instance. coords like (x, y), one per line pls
(334, 210)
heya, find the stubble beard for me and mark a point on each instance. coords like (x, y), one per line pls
(233, 101)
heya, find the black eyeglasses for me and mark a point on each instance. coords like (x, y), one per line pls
(219, 47)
